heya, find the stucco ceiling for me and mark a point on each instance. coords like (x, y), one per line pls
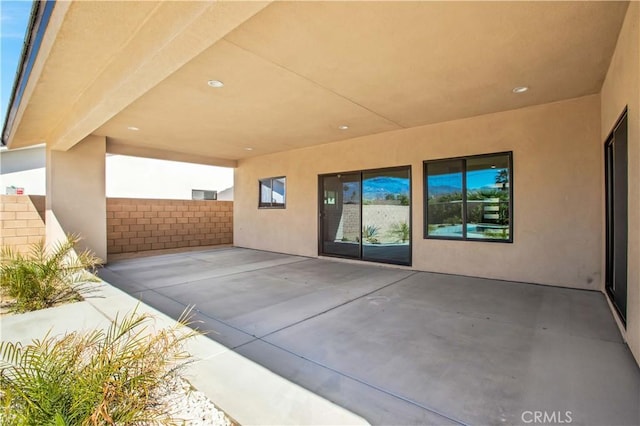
(294, 72)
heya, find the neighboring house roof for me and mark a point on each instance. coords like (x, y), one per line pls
(295, 74)
(226, 194)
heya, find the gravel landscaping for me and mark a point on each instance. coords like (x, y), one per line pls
(188, 405)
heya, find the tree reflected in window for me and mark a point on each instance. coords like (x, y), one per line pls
(469, 198)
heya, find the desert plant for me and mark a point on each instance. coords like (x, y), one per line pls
(370, 234)
(43, 277)
(96, 378)
(400, 230)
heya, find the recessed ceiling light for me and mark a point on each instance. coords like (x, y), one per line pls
(133, 128)
(215, 83)
(343, 127)
(493, 166)
(520, 89)
(248, 149)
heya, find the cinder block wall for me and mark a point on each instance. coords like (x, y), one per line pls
(140, 224)
(21, 220)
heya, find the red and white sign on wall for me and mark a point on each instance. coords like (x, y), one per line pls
(12, 190)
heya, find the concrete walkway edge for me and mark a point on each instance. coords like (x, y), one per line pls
(246, 391)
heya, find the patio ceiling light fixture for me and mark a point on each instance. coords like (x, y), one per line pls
(520, 89)
(133, 128)
(215, 83)
(343, 127)
(248, 149)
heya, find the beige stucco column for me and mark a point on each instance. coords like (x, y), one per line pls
(76, 200)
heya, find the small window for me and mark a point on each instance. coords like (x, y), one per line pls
(273, 193)
(203, 194)
(469, 198)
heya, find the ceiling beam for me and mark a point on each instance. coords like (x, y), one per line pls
(119, 148)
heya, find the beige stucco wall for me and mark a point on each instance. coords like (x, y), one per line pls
(558, 199)
(622, 88)
(75, 201)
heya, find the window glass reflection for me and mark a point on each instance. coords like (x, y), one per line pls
(386, 215)
(488, 197)
(278, 191)
(272, 192)
(469, 198)
(444, 198)
(341, 215)
(265, 191)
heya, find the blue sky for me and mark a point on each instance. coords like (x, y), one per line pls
(13, 24)
(485, 178)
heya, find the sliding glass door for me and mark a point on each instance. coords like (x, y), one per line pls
(340, 215)
(616, 179)
(386, 216)
(367, 215)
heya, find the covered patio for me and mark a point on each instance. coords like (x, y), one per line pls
(399, 346)
(495, 140)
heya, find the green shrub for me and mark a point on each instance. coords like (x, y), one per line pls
(404, 199)
(97, 378)
(499, 233)
(400, 230)
(42, 277)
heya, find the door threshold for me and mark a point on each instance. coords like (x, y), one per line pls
(366, 262)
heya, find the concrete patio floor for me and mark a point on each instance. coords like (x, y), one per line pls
(403, 347)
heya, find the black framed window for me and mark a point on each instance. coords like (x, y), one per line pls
(469, 198)
(272, 193)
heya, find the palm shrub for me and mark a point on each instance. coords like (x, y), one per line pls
(97, 378)
(400, 230)
(43, 277)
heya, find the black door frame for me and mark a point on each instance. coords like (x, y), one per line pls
(362, 172)
(616, 221)
(321, 216)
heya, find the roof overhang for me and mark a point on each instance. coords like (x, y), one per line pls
(36, 27)
(295, 72)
